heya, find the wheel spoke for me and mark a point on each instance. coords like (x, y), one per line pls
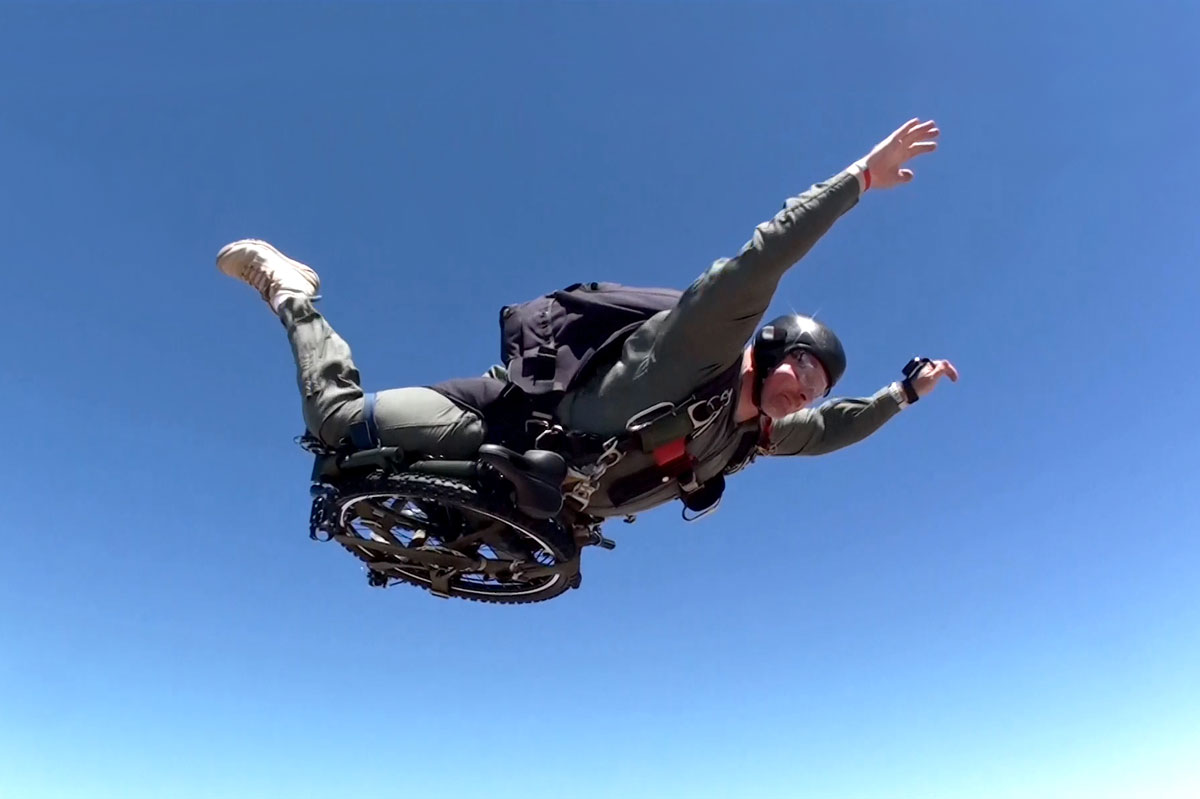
(482, 535)
(396, 519)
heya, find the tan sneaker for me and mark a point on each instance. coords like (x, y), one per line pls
(267, 269)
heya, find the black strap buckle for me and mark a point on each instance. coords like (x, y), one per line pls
(540, 365)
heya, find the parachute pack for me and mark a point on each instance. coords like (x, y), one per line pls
(547, 343)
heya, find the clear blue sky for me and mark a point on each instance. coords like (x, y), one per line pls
(994, 597)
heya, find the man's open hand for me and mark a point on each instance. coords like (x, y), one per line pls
(931, 373)
(887, 160)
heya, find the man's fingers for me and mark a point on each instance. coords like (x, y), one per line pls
(924, 129)
(932, 372)
(920, 148)
(945, 368)
(906, 175)
(899, 133)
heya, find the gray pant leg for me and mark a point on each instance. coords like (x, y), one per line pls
(330, 389)
(414, 419)
(419, 419)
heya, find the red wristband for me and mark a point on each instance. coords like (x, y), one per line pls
(866, 178)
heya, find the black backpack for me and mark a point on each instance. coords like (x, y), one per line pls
(547, 343)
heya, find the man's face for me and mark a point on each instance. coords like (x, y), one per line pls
(793, 385)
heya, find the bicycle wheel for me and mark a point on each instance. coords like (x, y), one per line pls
(445, 535)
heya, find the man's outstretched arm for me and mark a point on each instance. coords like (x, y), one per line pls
(842, 422)
(722, 309)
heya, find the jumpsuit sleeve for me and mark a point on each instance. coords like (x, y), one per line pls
(832, 426)
(722, 309)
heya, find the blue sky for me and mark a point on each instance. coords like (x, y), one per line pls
(993, 597)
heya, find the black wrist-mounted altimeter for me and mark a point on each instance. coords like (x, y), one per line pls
(910, 371)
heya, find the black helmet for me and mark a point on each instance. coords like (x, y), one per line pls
(788, 334)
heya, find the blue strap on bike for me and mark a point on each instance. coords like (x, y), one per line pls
(365, 434)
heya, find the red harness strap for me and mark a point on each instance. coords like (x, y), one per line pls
(673, 454)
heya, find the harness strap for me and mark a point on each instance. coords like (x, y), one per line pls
(365, 434)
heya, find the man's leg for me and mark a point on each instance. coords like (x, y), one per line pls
(419, 419)
(414, 419)
(330, 390)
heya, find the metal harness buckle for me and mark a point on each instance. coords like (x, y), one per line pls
(582, 491)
